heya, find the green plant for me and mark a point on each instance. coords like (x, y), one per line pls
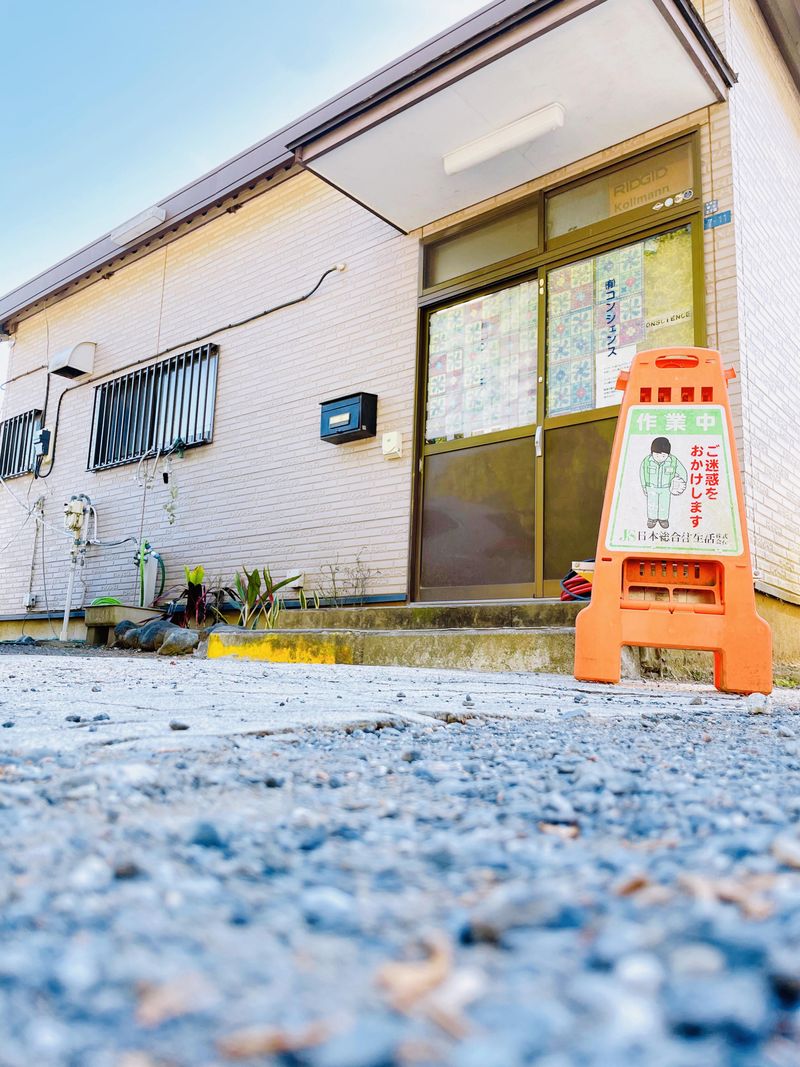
(196, 595)
(248, 597)
(202, 601)
(257, 603)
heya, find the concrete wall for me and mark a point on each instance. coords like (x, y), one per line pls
(765, 123)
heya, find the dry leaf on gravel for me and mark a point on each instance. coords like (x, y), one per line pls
(271, 1041)
(407, 982)
(431, 986)
(633, 884)
(170, 1000)
(445, 1005)
(747, 892)
(565, 831)
(643, 891)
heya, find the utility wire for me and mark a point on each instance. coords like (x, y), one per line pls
(184, 344)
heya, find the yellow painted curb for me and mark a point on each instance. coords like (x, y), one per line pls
(282, 648)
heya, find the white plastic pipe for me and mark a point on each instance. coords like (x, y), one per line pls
(70, 586)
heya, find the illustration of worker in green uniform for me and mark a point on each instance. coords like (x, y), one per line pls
(662, 475)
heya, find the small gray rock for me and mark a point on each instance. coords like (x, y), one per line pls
(152, 634)
(207, 836)
(371, 1043)
(91, 874)
(758, 704)
(327, 908)
(179, 642)
(129, 638)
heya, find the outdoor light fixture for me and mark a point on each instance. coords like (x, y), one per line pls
(520, 132)
(138, 225)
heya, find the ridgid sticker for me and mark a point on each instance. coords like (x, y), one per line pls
(675, 489)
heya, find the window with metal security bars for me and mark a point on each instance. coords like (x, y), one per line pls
(154, 409)
(16, 443)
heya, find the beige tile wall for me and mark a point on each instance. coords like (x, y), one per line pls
(765, 122)
(267, 490)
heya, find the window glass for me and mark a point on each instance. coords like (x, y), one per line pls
(657, 182)
(155, 408)
(16, 443)
(478, 516)
(482, 365)
(576, 460)
(504, 237)
(602, 310)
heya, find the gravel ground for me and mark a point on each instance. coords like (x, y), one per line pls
(219, 863)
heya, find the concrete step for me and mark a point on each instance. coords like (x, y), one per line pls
(519, 648)
(522, 614)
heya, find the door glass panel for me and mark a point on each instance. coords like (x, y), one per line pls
(576, 460)
(482, 365)
(657, 182)
(477, 517)
(502, 238)
(602, 310)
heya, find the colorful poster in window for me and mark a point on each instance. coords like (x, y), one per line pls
(482, 365)
(601, 311)
(675, 489)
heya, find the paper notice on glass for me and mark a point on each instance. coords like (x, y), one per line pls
(607, 366)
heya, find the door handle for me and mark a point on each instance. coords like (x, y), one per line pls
(537, 441)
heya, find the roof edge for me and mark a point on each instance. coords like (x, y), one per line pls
(276, 152)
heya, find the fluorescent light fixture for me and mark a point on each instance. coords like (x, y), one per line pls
(138, 225)
(521, 131)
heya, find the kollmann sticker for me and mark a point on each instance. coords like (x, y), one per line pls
(675, 489)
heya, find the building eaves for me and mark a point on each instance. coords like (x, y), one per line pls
(276, 152)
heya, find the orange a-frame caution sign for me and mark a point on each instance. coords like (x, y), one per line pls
(673, 558)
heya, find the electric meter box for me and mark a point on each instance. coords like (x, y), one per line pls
(349, 418)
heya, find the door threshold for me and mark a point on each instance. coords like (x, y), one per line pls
(483, 603)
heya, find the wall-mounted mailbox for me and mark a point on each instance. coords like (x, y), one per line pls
(349, 418)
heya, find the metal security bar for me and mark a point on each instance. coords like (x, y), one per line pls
(154, 408)
(16, 443)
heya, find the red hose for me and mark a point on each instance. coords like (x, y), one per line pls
(574, 587)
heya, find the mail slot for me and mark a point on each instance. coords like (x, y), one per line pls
(349, 418)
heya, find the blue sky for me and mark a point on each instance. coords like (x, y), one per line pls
(108, 107)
